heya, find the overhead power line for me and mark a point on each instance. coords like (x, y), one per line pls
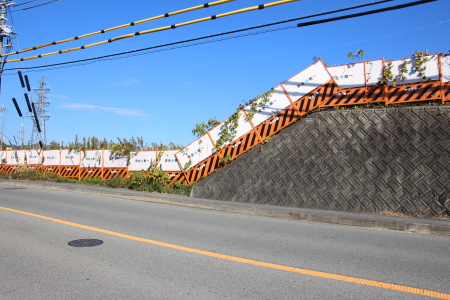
(365, 13)
(207, 39)
(262, 6)
(15, 5)
(35, 5)
(123, 26)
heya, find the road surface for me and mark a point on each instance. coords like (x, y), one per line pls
(155, 251)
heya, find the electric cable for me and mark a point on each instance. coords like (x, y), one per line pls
(262, 6)
(35, 6)
(24, 3)
(176, 45)
(123, 26)
(365, 13)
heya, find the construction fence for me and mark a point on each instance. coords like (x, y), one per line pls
(317, 87)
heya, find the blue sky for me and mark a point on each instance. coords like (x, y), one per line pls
(161, 96)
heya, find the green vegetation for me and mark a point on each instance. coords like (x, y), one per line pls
(94, 143)
(152, 181)
(228, 128)
(201, 128)
(359, 55)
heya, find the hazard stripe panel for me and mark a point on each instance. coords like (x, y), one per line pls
(51, 169)
(109, 173)
(176, 176)
(69, 171)
(9, 169)
(90, 172)
(203, 169)
(355, 96)
(375, 94)
(414, 92)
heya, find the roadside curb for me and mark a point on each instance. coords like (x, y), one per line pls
(408, 224)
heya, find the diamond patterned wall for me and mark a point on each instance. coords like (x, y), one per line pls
(370, 160)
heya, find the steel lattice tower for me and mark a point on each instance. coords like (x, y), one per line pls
(39, 115)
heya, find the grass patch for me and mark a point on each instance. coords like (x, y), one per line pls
(155, 181)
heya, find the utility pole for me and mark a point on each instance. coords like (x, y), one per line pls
(5, 30)
(2, 110)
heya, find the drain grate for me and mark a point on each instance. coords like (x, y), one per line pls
(85, 243)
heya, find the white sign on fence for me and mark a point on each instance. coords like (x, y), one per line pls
(349, 75)
(168, 161)
(142, 160)
(15, 157)
(51, 157)
(34, 157)
(91, 159)
(277, 102)
(70, 158)
(307, 80)
(114, 160)
(2, 157)
(374, 71)
(195, 152)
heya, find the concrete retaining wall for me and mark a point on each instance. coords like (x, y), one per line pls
(371, 160)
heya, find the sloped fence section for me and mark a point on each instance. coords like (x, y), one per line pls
(394, 160)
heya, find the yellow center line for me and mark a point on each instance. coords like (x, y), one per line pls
(379, 284)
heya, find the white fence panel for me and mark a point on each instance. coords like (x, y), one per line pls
(432, 68)
(445, 68)
(215, 132)
(412, 75)
(91, 159)
(142, 160)
(2, 157)
(70, 158)
(168, 161)
(243, 127)
(278, 101)
(114, 160)
(34, 157)
(15, 157)
(307, 80)
(374, 71)
(51, 157)
(349, 75)
(195, 152)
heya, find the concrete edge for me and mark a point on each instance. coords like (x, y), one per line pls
(407, 224)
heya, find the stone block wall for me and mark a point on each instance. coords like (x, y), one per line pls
(368, 160)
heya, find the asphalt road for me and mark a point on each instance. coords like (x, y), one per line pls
(157, 251)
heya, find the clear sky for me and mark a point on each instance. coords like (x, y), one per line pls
(161, 96)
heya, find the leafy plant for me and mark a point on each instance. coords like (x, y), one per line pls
(259, 103)
(228, 129)
(187, 165)
(123, 150)
(359, 55)
(388, 76)
(200, 129)
(420, 59)
(403, 70)
(152, 180)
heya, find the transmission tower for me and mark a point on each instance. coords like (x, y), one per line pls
(22, 129)
(39, 115)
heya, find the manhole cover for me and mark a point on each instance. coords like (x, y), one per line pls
(85, 243)
(16, 188)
